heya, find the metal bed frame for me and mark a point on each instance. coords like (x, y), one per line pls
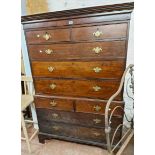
(127, 83)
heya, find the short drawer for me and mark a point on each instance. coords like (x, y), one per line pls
(112, 31)
(113, 49)
(83, 133)
(102, 89)
(79, 69)
(53, 103)
(45, 36)
(76, 118)
(99, 107)
(97, 135)
(57, 129)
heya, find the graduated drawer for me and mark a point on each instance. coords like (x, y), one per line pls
(100, 32)
(98, 107)
(114, 49)
(79, 69)
(76, 118)
(103, 89)
(53, 103)
(97, 135)
(45, 36)
(82, 133)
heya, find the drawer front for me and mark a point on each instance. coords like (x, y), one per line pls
(103, 89)
(53, 103)
(99, 32)
(72, 69)
(97, 135)
(45, 36)
(99, 107)
(57, 129)
(113, 49)
(83, 133)
(76, 118)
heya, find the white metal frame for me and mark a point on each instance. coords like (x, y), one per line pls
(129, 133)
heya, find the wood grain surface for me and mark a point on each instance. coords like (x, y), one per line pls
(78, 88)
(113, 49)
(72, 69)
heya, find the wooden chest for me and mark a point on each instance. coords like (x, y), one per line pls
(77, 59)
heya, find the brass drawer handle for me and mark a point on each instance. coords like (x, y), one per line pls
(46, 36)
(97, 121)
(97, 69)
(96, 88)
(97, 50)
(56, 128)
(53, 103)
(50, 69)
(97, 33)
(38, 35)
(48, 51)
(96, 134)
(52, 86)
(55, 115)
(97, 108)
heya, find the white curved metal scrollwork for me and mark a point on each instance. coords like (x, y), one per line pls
(108, 117)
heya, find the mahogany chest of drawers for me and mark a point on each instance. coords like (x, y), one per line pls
(77, 59)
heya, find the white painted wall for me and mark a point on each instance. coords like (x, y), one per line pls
(57, 5)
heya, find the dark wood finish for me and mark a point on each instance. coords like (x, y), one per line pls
(78, 114)
(42, 138)
(86, 106)
(78, 118)
(27, 111)
(45, 136)
(114, 49)
(53, 103)
(112, 31)
(109, 32)
(75, 98)
(78, 88)
(56, 36)
(97, 135)
(53, 23)
(89, 107)
(90, 134)
(72, 69)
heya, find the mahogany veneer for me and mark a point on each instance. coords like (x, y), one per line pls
(110, 49)
(77, 59)
(78, 69)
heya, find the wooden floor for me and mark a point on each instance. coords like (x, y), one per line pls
(57, 147)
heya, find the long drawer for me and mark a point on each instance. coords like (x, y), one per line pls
(85, 106)
(86, 69)
(103, 89)
(76, 118)
(111, 31)
(83, 133)
(68, 22)
(114, 49)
